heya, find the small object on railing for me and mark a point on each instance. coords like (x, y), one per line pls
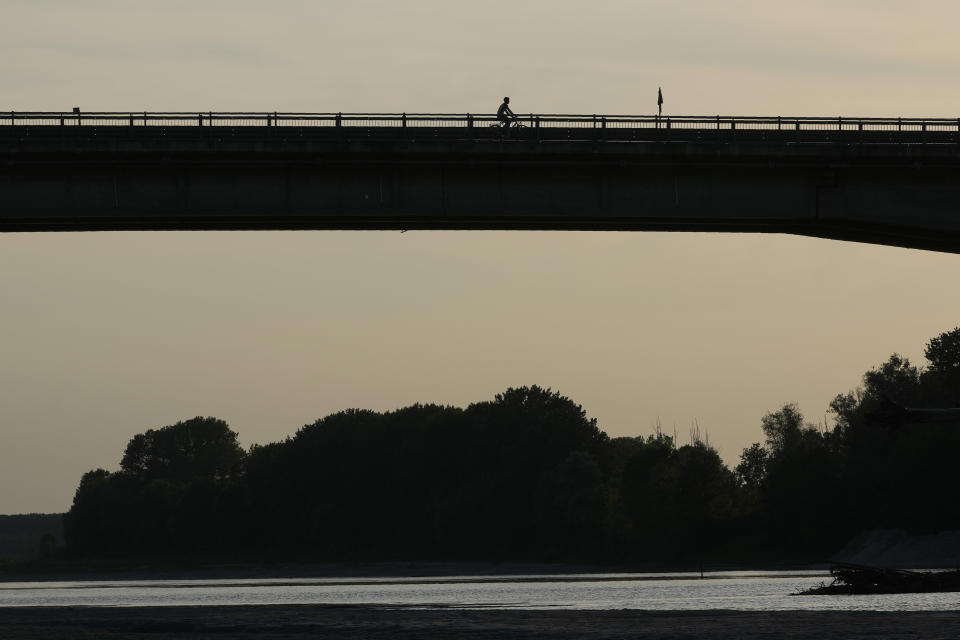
(718, 122)
(469, 121)
(594, 121)
(144, 118)
(340, 118)
(839, 123)
(403, 120)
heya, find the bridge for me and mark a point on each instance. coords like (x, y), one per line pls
(893, 181)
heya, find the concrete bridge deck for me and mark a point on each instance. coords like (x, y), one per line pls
(888, 181)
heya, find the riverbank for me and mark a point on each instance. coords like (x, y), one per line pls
(373, 623)
(106, 571)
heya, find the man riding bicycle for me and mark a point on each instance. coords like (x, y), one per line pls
(505, 114)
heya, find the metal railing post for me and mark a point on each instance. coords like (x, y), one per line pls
(12, 118)
(131, 119)
(200, 120)
(339, 119)
(403, 120)
(469, 121)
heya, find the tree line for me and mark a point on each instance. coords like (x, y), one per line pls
(527, 476)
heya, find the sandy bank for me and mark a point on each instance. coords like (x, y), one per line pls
(277, 622)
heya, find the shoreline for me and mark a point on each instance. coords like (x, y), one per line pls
(82, 572)
(279, 622)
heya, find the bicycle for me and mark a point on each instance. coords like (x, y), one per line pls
(504, 127)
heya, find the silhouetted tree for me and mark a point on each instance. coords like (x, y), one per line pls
(198, 448)
(942, 378)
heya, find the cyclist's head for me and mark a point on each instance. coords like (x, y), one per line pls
(506, 99)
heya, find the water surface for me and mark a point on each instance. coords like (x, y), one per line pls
(744, 591)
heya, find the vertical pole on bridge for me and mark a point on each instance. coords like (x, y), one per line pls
(403, 120)
(12, 118)
(339, 118)
(469, 121)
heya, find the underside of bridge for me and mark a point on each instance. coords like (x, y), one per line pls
(849, 187)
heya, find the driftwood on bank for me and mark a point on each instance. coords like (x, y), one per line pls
(861, 580)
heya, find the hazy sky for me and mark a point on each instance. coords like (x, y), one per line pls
(104, 335)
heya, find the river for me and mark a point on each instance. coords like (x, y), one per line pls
(739, 591)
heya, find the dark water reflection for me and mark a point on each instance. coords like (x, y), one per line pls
(745, 591)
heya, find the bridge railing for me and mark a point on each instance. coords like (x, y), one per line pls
(467, 120)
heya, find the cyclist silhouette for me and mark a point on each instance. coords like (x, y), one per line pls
(505, 114)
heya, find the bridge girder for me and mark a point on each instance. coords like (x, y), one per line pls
(185, 178)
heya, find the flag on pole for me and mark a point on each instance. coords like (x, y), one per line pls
(659, 100)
